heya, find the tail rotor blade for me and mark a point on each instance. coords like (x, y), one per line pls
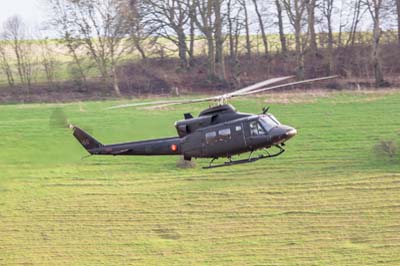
(58, 119)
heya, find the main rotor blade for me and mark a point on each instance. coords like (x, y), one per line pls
(214, 98)
(257, 86)
(285, 85)
(163, 103)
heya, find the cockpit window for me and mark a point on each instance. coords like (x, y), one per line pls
(268, 122)
(256, 129)
(274, 119)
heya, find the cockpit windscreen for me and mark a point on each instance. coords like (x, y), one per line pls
(268, 122)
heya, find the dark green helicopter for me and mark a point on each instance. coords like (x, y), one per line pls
(218, 132)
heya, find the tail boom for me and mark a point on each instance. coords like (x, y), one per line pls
(163, 146)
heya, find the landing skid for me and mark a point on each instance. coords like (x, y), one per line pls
(249, 160)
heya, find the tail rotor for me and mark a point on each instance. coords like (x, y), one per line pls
(58, 119)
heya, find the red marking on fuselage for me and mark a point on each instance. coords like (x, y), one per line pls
(174, 147)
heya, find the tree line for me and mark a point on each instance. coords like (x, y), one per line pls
(100, 34)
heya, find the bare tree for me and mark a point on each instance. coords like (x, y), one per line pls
(61, 21)
(311, 4)
(47, 59)
(357, 14)
(295, 10)
(15, 34)
(235, 25)
(100, 28)
(204, 22)
(5, 64)
(375, 9)
(234, 11)
(210, 22)
(169, 19)
(138, 33)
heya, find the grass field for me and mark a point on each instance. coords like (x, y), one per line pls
(330, 200)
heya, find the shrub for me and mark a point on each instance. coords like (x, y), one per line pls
(386, 148)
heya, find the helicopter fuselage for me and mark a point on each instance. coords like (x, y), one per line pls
(218, 131)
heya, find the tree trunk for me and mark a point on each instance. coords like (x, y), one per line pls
(230, 32)
(138, 46)
(262, 28)
(282, 36)
(115, 81)
(299, 56)
(10, 77)
(379, 80)
(311, 25)
(247, 28)
(375, 9)
(398, 19)
(327, 9)
(192, 35)
(330, 47)
(206, 26)
(219, 42)
(8, 72)
(17, 52)
(182, 48)
(211, 57)
(312, 51)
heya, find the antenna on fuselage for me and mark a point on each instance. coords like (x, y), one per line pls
(188, 116)
(265, 110)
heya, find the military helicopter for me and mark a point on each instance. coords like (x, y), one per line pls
(218, 132)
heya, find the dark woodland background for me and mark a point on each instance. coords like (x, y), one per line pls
(112, 48)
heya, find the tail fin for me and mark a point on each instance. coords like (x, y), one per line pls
(87, 141)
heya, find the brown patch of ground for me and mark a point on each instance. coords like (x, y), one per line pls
(311, 96)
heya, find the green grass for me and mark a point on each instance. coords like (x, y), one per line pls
(330, 200)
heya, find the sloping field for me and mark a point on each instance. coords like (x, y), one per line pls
(330, 200)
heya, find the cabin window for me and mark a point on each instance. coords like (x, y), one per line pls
(256, 129)
(211, 137)
(224, 134)
(238, 128)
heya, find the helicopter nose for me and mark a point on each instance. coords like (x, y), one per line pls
(282, 133)
(291, 133)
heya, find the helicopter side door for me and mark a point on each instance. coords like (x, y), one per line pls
(224, 140)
